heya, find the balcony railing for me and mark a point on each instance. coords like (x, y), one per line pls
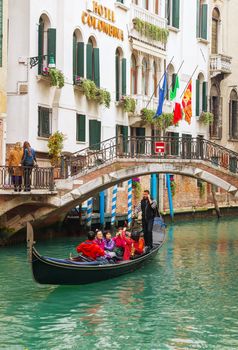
(145, 15)
(20, 178)
(220, 64)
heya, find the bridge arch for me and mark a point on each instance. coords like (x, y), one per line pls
(107, 180)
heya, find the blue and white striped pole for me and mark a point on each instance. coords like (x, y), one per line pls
(129, 216)
(114, 205)
(89, 213)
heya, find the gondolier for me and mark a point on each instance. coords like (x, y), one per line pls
(148, 208)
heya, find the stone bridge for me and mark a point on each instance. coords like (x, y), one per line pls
(89, 171)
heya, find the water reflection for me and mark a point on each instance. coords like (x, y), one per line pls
(185, 299)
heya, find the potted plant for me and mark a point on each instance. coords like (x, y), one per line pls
(128, 103)
(55, 146)
(55, 76)
(206, 118)
(136, 185)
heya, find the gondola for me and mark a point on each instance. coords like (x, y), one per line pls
(47, 270)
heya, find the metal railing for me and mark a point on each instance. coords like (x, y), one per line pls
(144, 147)
(26, 178)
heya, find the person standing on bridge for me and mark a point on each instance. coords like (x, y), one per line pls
(14, 164)
(148, 208)
(28, 159)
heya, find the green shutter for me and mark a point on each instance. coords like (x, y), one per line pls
(96, 66)
(123, 76)
(89, 61)
(51, 52)
(117, 67)
(40, 46)
(80, 130)
(168, 11)
(204, 96)
(94, 134)
(80, 59)
(174, 76)
(125, 138)
(204, 22)
(1, 31)
(140, 133)
(176, 10)
(197, 97)
(74, 57)
(198, 18)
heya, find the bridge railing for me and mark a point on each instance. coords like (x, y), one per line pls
(144, 147)
(20, 178)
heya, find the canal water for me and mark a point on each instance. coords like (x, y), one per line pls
(187, 298)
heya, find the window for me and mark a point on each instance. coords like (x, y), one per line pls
(201, 19)
(171, 77)
(78, 55)
(94, 134)
(46, 44)
(122, 137)
(44, 121)
(215, 24)
(201, 95)
(155, 80)
(1, 30)
(156, 7)
(233, 115)
(120, 69)
(144, 77)
(216, 109)
(133, 75)
(93, 64)
(173, 143)
(172, 12)
(145, 4)
(80, 128)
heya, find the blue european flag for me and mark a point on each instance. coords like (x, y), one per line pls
(162, 93)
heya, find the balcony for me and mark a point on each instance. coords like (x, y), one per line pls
(146, 40)
(220, 64)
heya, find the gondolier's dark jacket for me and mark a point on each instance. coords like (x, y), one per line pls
(148, 210)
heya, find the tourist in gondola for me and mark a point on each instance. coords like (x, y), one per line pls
(109, 243)
(99, 239)
(138, 243)
(90, 248)
(148, 208)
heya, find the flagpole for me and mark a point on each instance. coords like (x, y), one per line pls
(159, 82)
(189, 81)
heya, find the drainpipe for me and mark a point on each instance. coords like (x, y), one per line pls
(171, 207)
(102, 209)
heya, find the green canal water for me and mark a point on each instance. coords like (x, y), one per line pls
(187, 298)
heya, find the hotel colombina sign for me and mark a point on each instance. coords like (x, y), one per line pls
(97, 21)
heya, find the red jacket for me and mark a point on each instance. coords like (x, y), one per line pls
(139, 246)
(90, 249)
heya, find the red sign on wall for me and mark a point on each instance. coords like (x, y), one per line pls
(159, 147)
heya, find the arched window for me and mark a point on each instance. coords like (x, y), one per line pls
(133, 75)
(201, 94)
(78, 56)
(233, 115)
(145, 4)
(93, 62)
(144, 77)
(155, 79)
(215, 27)
(46, 44)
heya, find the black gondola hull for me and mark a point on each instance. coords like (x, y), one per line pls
(46, 271)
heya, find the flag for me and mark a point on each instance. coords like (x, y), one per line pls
(162, 92)
(177, 113)
(173, 92)
(187, 103)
